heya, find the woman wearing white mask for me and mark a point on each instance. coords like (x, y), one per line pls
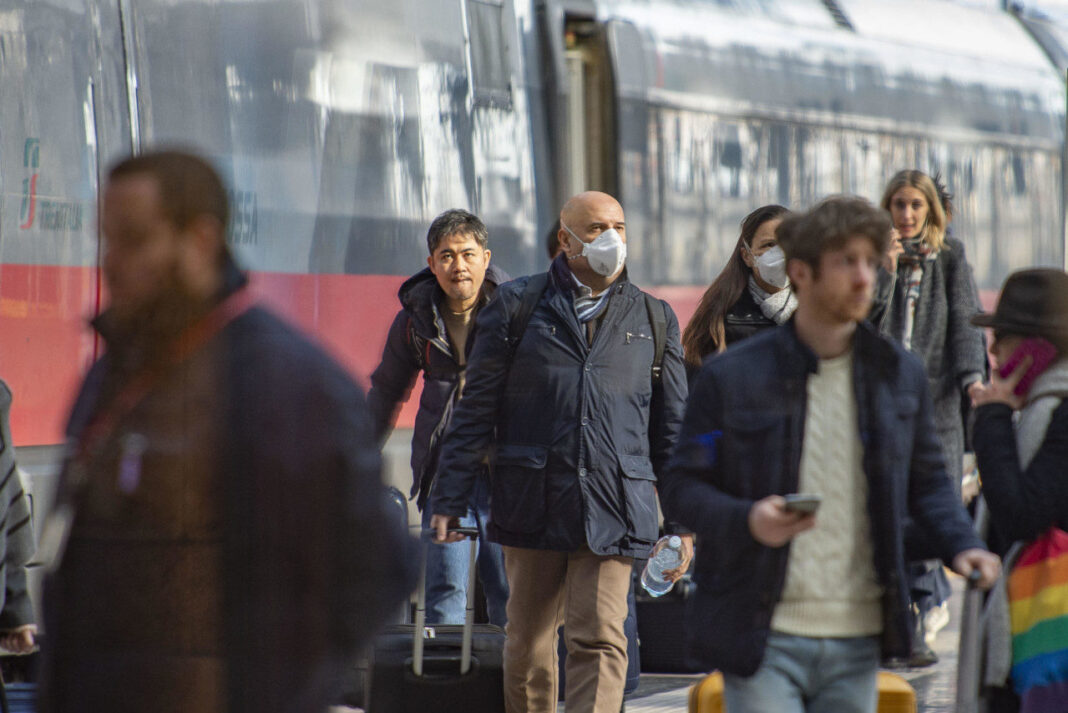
(751, 293)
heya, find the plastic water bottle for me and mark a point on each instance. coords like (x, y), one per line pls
(668, 557)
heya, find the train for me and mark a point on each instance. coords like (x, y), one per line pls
(344, 126)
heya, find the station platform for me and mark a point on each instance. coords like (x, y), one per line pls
(935, 685)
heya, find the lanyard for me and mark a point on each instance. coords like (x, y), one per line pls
(141, 384)
(57, 527)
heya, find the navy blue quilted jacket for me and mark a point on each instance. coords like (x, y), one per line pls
(741, 441)
(576, 433)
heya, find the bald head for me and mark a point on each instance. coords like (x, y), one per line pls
(580, 208)
(587, 215)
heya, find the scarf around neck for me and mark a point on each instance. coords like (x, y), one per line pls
(778, 306)
(1046, 394)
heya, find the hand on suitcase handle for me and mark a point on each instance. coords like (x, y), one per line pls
(446, 528)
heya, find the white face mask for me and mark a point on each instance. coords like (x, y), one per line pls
(606, 254)
(771, 267)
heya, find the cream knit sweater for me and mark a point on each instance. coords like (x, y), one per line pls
(831, 587)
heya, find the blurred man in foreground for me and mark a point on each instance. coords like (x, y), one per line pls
(226, 544)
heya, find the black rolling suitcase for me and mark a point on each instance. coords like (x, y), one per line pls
(416, 668)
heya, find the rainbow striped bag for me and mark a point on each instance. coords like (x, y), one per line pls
(1038, 610)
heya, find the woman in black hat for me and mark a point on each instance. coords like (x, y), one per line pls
(1025, 466)
(1023, 460)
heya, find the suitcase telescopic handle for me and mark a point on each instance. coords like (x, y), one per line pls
(469, 615)
(466, 531)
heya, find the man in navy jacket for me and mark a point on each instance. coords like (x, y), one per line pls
(578, 426)
(797, 608)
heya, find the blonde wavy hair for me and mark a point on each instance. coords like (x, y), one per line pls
(934, 230)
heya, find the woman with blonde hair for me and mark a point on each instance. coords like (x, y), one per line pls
(750, 293)
(933, 299)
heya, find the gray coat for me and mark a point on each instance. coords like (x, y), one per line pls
(953, 351)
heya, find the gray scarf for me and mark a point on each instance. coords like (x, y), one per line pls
(778, 306)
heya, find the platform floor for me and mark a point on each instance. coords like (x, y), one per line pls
(935, 686)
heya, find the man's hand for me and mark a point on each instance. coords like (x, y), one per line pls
(1001, 390)
(674, 575)
(771, 525)
(986, 563)
(20, 640)
(441, 524)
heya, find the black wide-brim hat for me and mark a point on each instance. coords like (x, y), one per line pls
(1032, 303)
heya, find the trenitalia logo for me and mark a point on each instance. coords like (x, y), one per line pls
(63, 216)
(31, 159)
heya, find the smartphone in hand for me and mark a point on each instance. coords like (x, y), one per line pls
(1042, 354)
(802, 502)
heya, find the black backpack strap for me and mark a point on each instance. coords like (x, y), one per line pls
(527, 302)
(658, 321)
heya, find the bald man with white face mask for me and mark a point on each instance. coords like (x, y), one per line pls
(578, 423)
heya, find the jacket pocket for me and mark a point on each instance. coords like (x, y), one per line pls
(639, 493)
(518, 492)
(906, 404)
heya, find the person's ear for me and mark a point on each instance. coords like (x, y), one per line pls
(799, 272)
(747, 257)
(201, 243)
(561, 237)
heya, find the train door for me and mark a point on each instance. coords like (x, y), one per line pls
(589, 110)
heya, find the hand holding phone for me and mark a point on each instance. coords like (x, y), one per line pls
(806, 503)
(1042, 354)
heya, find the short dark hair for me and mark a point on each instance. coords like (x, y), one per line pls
(829, 226)
(188, 185)
(456, 222)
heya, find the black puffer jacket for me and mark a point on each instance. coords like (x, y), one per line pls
(744, 319)
(392, 381)
(577, 432)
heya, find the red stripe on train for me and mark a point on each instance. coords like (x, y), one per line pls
(47, 346)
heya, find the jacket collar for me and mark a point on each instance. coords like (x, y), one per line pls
(233, 279)
(869, 349)
(420, 296)
(562, 280)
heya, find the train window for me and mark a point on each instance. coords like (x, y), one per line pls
(490, 69)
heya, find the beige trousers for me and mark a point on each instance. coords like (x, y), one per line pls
(588, 594)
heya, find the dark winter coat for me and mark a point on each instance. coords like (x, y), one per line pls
(576, 433)
(431, 352)
(1023, 503)
(744, 319)
(258, 452)
(953, 350)
(742, 441)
